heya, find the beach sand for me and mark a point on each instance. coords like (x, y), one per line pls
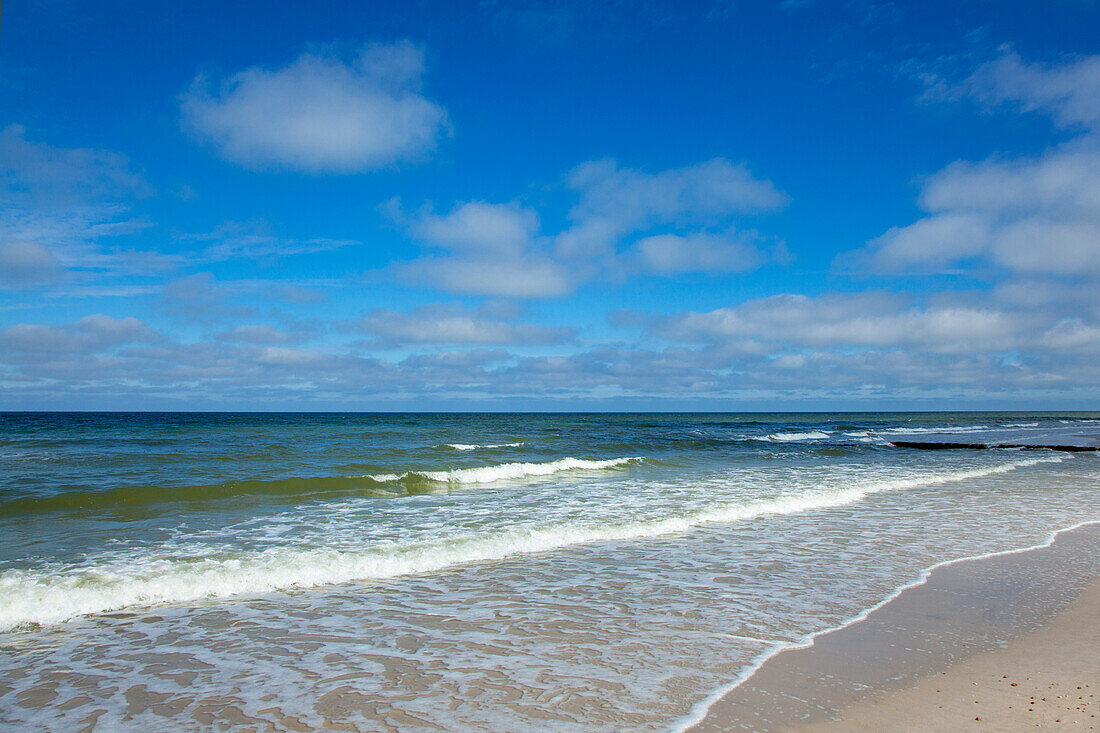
(1005, 643)
(1047, 679)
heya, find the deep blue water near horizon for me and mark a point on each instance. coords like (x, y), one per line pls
(520, 571)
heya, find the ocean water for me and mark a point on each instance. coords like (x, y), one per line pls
(474, 572)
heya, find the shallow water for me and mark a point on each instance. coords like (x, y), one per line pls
(485, 572)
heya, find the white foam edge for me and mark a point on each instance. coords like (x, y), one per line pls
(477, 446)
(698, 712)
(794, 437)
(507, 471)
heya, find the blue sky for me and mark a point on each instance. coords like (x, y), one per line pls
(801, 204)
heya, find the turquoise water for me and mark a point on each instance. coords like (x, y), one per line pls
(479, 572)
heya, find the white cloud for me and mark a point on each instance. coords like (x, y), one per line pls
(454, 324)
(497, 249)
(528, 277)
(857, 320)
(617, 201)
(669, 254)
(1036, 216)
(844, 348)
(462, 365)
(501, 229)
(492, 250)
(1070, 92)
(321, 114)
(287, 357)
(930, 243)
(25, 263)
(90, 334)
(1031, 216)
(1063, 181)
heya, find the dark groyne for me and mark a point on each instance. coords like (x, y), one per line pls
(932, 445)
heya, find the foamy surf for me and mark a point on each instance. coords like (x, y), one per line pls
(47, 596)
(505, 471)
(796, 437)
(480, 446)
(946, 429)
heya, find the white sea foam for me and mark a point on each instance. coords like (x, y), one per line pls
(866, 436)
(945, 429)
(794, 437)
(45, 596)
(476, 446)
(506, 471)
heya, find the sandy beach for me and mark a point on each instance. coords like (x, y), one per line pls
(1003, 643)
(1046, 679)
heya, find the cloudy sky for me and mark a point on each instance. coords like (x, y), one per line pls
(548, 204)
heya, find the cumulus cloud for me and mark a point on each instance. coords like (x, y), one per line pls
(454, 324)
(492, 249)
(616, 201)
(502, 229)
(1035, 216)
(632, 197)
(625, 223)
(669, 254)
(320, 113)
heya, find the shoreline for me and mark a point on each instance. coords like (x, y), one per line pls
(953, 612)
(1045, 678)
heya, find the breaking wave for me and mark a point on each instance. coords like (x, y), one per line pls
(795, 437)
(503, 472)
(475, 446)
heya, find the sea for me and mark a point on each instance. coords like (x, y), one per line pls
(475, 572)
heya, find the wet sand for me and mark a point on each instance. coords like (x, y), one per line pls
(1047, 679)
(1004, 643)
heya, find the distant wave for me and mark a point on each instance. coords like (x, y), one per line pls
(474, 446)
(505, 471)
(866, 436)
(945, 429)
(133, 497)
(795, 437)
(378, 485)
(45, 596)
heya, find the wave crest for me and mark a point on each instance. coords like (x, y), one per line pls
(795, 437)
(504, 471)
(479, 446)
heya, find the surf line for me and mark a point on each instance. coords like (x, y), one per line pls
(699, 710)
